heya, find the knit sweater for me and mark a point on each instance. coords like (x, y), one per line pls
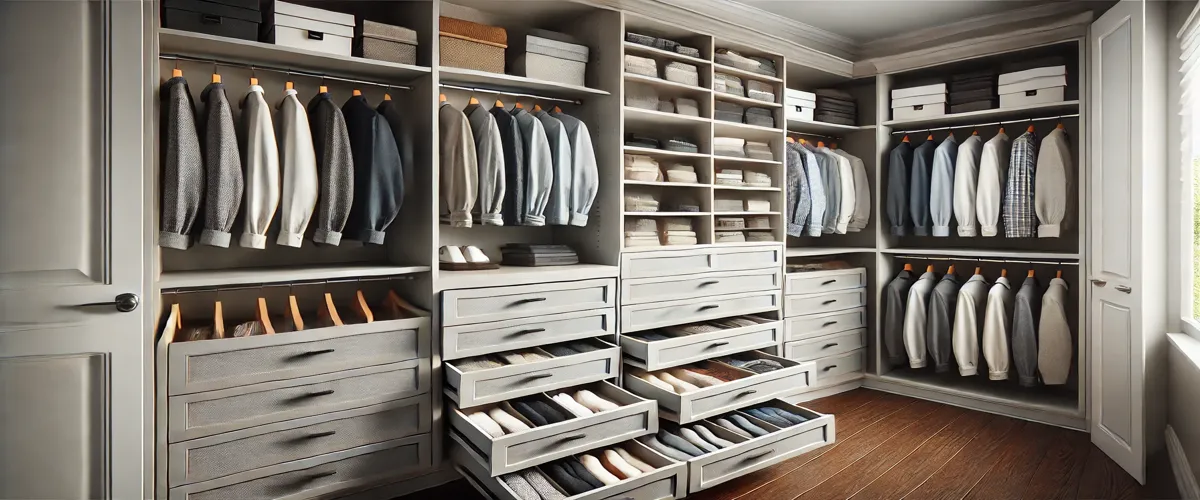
(183, 166)
(489, 151)
(459, 168)
(298, 160)
(335, 168)
(260, 155)
(223, 168)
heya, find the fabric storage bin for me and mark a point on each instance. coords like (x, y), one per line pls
(682, 73)
(682, 173)
(552, 56)
(761, 91)
(919, 102)
(640, 203)
(667, 224)
(729, 146)
(730, 237)
(227, 18)
(384, 42)
(641, 66)
(641, 96)
(731, 58)
(731, 223)
(1035, 86)
(729, 177)
(757, 179)
(639, 39)
(757, 205)
(933, 89)
(313, 29)
(681, 145)
(918, 112)
(686, 106)
(728, 84)
(1032, 97)
(761, 117)
(469, 45)
(728, 111)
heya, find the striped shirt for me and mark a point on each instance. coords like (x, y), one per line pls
(1020, 218)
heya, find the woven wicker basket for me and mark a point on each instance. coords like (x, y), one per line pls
(469, 45)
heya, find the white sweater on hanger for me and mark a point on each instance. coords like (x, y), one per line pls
(299, 162)
(997, 328)
(966, 180)
(862, 193)
(845, 173)
(993, 172)
(968, 322)
(1055, 347)
(260, 159)
(1053, 188)
(915, 319)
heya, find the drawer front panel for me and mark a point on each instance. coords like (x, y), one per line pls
(654, 264)
(640, 291)
(503, 388)
(825, 281)
(473, 340)
(645, 316)
(836, 367)
(207, 458)
(479, 305)
(816, 325)
(760, 456)
(668, 487)
(672, 356)
(823, 347)
(732, 400)
(193, 416)
(795, 305)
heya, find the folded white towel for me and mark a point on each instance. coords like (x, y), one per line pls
(634, 461)
(508, 422)
(487, 423)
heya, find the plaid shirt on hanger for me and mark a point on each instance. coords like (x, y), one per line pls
(1020, 219)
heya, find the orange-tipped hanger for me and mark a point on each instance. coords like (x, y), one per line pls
(387, 97)
(791, 140)
(1058, 274)
(323, 90)
(441, 97)
(905, 139)
(1059, 126)
(216, 78)
(356, 93)
(537, 107)
(1029, 128)
(951, 270)
(253, 81)
(978, 270)
(820, 144)
(402, 308)
(803, 141)
(557, 109)
(1030, 275)
(930, 138)
(499, 104)
(473, 100)
(176, 73)
(289, 86)
(929, 268)
(218, 321)
(908, 267)
(833, 145)
(361, 307)
(975, 132)
(1001, 131)
(263, 316)
(294, 310)
(1004, 273)
(518, 106)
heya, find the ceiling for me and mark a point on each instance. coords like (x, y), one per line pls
(867, 20)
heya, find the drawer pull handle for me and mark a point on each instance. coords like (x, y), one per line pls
(314, 353)
(318, 394)
(827, 302)
(710, 282)
(539, 376)
(529, 331)
(210, 19)
(745, 393)
(827, 368)
(529, 301)
(316, 35)
(760, 455)
(831, 344)
(830, 282)
(319, 475)
(717, 344)
(828, 323)
(320, 434)
(574, 437)
(709, 306)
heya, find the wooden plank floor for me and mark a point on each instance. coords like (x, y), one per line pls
(892, 447)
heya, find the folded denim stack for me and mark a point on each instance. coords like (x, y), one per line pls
(835, 106)
(973, 91)
(729, 146)
(759, 150)
(642, 168)
(728, 84)
(761, 117)
(528, 255)
(641, 66)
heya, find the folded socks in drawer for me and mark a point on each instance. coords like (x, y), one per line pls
(723, 372)
(573, 485)
(632, 460)
(747, 426)
(478, 363)
(786, 415)
(538, 412)
(571, 405)
(570, 349)
(597, 469)
(696, 379)
(769, 418)
(658, 446)
(754, 365)
(521, 486)
(593, 402)
(692, 437)
(710, 437)
(481, 419)
(507, 421)
(679, 443)
(618, 466)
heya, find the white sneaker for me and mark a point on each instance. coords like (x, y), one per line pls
(474, 255)
(451, 254)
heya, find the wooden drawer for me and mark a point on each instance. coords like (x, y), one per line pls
(474, 388)
(248, 449)
(319, 476)
(816, 325)
(825, 281)
(841, 368)
(826, 346)
(653, 264)
(481, 305)
(722, 398)
(513, 452)
(751, 454)
(646, 290)
(485, 338)
(639, 317)
(668, 480)
(795, 305)
(686, 349)
(209, 365)
(192, 416)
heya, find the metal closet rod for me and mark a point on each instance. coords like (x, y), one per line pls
(1002, 261)
(256, 67)
(1023, 120)
(485, 90)
(806, 134)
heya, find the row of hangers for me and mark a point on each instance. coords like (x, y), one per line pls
(978, 271)
(976, 132)
(500, 104)
(289, 85)
(820, 144)
(394, 306)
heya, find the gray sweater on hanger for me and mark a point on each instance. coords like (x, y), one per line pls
(939, 337)
(1027, 310)
(183, 166)
(378, 174)
(918, 188)
(459, 170)
(489, 154)
(222, 166)
(538, 166)
(895, 296)
(899, 161)
(585, 182)
(558, 206)
(335, 168)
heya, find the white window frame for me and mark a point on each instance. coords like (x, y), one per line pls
(1183, 122)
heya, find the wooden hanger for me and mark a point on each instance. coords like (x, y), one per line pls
(322, 90)
(176, 73)
(499, 104)
(178, 316)
(1058, 274)
(361, 307)
(1030, 275)
(905, 139)
(216, 78)
(975, 132)
(387, 97)
(537, 107)
(833, 145)
(557, 109)
(253, 81)
(1059, 126)
(356, 92)
(951, 270)
(791, 140)
(908, 267)
(1004, 273)
(289, 86)
(401, 308)
(261, 314)
(441, 97)
(1030, 128)
(294, 311)
(518, 106)
(329, 310)
(218, 321)
(930, 138)
(929, 269)
(978, 271)
(473, 100)
(820, 144)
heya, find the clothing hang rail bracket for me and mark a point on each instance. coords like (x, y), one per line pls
(485, 90)
(986, 124)
(254, 68)
(1001, 261)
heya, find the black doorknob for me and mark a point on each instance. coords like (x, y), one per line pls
(125, 302)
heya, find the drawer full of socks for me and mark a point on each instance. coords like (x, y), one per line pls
(628, 469)
(493, 378)
(646, 290)
(700, 390)
(739, 442)
(682, 344)
(532, 430)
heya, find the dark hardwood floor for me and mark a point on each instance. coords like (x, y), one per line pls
(892, 447)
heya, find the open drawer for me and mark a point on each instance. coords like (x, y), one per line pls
(639, 317)
(475, 387)
(683, 348)
(749, 389)
(689, 286)
(748, 453)
(515, 451)
(668, 480)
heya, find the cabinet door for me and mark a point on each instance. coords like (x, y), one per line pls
(1125, 248)
(72, 396)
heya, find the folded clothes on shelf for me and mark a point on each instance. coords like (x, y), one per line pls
(728, 84)
(678, 237)
(730, 237)
(684, 73)
(759, 150)
(686, 106)
(728, 111)
(761, 117)
(640, 95)
(729, 146)
(682, 173)
(642, 141)
(682, 145)
(641, 65)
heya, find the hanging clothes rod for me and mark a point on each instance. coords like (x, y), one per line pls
(507, 93)
(256, 67)
(806, 134)
(1002, 261)
(974, 125)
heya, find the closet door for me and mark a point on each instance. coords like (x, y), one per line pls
(72, 395)
(1126, 192)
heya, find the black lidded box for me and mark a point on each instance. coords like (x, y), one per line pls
(228, 18)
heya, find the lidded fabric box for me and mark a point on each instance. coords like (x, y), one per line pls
(682, 73)
(761, 91)
(728, 111)
(385, 42)
(310, 28)
(1033, 86)
(553, 56)
(641, 66)
(799, 104)
(919, 102)
(728, 84)
(228, 18)
(469, 45)
(641, 96)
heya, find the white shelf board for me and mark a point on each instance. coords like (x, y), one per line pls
(513, 83)
(982, 253)
(644, 50)
(666, 214)
(665, 184)
(745, 101)
(232, 50)
(745, 213)
(703, 245)
(664, 84)
(723, 128)
(745, 188)
(656, 118)
(738, 72)
(731, 229)
(815, 251)
(663, 152)
(520, 275)
(803, 127)
(989, 115)
(740, 159)
(230, 277)
(1057, 400)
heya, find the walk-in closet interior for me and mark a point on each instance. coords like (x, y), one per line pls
(584, 249)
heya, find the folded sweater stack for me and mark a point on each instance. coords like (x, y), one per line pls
(527, 255)
(835, 106)
(973, 91)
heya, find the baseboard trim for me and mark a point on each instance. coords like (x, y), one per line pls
(1184, 479)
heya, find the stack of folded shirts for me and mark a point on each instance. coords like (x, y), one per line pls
(731, 223)
(640, 202)
(759, 150)
(681, 173)
(729, 177)
(641, 232)
(740, 425)
(727, 205)
(757, 179)
(641, 96)
(729, 146)
(678, 237)
(666, 224)
(687, 51)
(639, 39)
(642, 168)
(730, 237)
(570, 348)
(681, 145)
(835, 106)
(758, 222)
(761, 91)
(974, 91)
(641, 66)
(728, 84)
(731, 58)
(765, 66)
(524, 254)
(728, 111)
(686, 74)
(760, 236)
(687, 107)
(642, 141)
(584, 403)
(760, 116)
(758, 205)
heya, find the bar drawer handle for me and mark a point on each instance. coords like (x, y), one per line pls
(210, 19)
(827, 368)
(315, 35)
(319, 475)
(827, 302)
(830, 282)
(539, 376)
(745, 393)
(310, 354)
(760, 455)
(828, 323)
(709, 306)
(715, 345)
(710, 282)
(321, 434)
(529, 331)
(529, 301)
(318, 394)
(831, 344)
(575, 437)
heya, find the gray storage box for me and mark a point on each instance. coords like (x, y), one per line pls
(384, 42)
(552, 56)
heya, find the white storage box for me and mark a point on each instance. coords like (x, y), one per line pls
(919, 102)
(1044, 82)
(799, 105)
(937, 88)
(551, 56)
(918, 112)
(1032, 97)
(313, 29)
(1029, 74)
